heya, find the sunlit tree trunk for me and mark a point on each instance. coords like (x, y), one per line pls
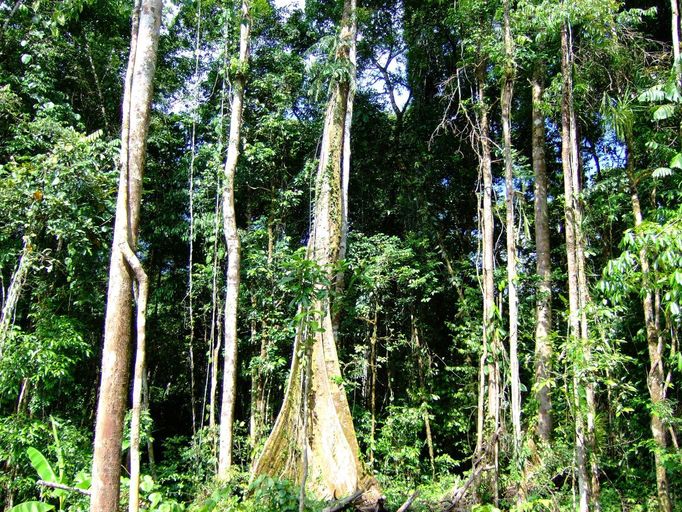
(14, 291)
(656, 374)
(111, 407)
(570, 170)
(543, 326)
(313, 440)
(506, 105)
(489, 370)
(233, 252)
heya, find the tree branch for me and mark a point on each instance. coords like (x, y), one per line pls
(62, 487)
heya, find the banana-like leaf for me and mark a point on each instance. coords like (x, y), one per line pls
(32, 506)
(664, 112)
(40, 464)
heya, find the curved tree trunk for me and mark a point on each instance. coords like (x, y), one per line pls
(106, 469)
(313, 440)
(233, 250)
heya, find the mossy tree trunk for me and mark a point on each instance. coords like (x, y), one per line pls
(313, 439)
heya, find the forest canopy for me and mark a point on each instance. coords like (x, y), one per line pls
(273, 255)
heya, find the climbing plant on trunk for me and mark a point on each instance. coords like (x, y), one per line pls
(313, 441)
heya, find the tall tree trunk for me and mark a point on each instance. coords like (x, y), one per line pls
(233, 250)
(106, 469)
(570, 170)
(543, 326)
(313, 439)
(345, 162)
(656, 375)
(488, 417)
(506, 105)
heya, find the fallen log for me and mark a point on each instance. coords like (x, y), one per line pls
(341, 504)
(409, 502)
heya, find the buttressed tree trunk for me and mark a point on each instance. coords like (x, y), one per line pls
(106, 469)
(543, 344)
(233, 249)
(313, 439)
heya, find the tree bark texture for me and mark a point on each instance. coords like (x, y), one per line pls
(489, 371)
(233, 253)
(506, 106)
(325, 437)
(111, 407)
(572, 227)
(543, 326)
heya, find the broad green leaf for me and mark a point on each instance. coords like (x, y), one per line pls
(40, 464)
(664, 112)
(662, 172)
(32, 506)
(676, 161)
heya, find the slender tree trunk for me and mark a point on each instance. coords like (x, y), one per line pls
(506, 105)
(111, 407)
(488, 417)
(656, 375)
(142, 289)
(543, 344)
(570, 169)
(326, 435)
(233, 250)
(16, 286)
(145, 407)
(373, 383)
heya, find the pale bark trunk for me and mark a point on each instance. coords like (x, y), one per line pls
(506, 105)
(570, 170)
(488, 417)
(117, 336)
(543, 344)
(345, 163)
(233, 253)
(656, 375)
(142, 291)
(325, 434)
(14, 291)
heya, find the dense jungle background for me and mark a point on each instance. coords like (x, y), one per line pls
(501, 290)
